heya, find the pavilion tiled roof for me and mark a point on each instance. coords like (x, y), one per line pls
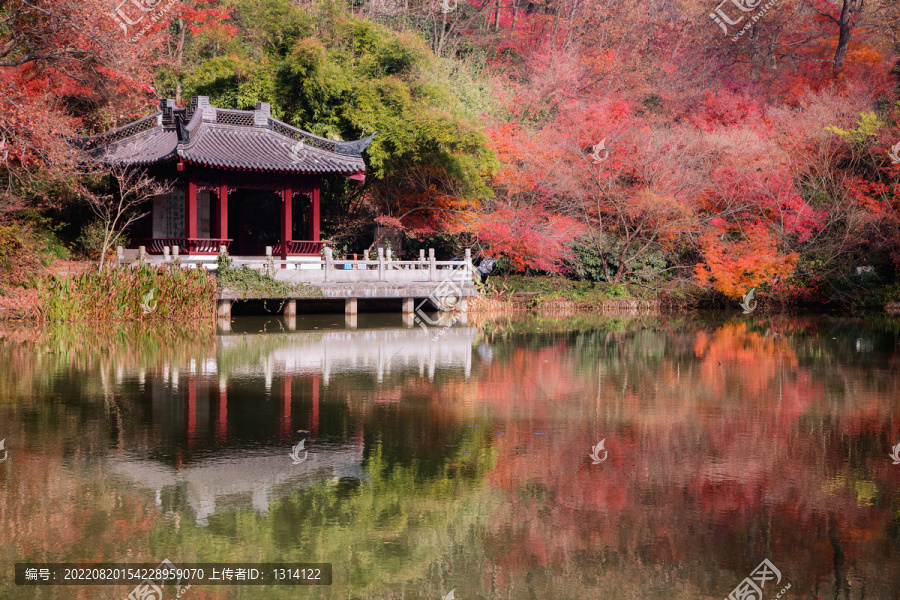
(229, 139)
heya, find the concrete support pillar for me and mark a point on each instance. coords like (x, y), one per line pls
(290, 308)
(408, 306)
(223, 310)
(350, 306)
(409, 320)
(463, 304)
(291, 323)
(350, 321)
(223, 325)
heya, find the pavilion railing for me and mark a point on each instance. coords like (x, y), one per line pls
(300, 248)
(211, 246)
(327, 269)
(184, 245)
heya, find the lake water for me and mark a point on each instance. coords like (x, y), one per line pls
(532, 458)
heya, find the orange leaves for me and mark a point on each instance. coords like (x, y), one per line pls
(733, 267)
(527, 160)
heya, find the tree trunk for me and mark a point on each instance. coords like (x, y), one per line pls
(179, 59)
(443, 36)
(848, 11)
(515, 15)
(756, 54)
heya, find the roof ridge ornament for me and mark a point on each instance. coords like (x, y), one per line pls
(197, 102)
(167, 106)
(208, 113)
(262, 114)
(356, 147)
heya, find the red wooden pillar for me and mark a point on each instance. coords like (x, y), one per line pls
(190, 410)
(223, 209)
(314, 213)
(314, 426)
(286, 406)
(286, 219)
(190, 213)
(222, 413)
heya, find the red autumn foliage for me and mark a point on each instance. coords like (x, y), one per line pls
(531, 237)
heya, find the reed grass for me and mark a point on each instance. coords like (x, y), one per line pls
(142, 294)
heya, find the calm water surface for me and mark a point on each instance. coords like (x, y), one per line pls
(472, 462)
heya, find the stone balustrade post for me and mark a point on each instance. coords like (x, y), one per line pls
(329, 258)
(432, 267)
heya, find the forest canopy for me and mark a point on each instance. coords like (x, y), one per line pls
(678, 146)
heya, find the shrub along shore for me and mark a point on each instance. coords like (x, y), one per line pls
(165, 293)
(142, 294)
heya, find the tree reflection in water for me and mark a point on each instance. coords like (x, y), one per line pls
(728, 441)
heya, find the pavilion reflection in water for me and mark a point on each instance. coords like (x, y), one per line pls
(278, 380)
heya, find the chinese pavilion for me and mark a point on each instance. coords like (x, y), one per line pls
(235, 174)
